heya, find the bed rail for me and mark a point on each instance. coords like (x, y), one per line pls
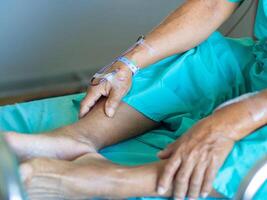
(10, 184)
(253, 181)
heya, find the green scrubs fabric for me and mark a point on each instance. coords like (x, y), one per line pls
(261, 19)
(178, 91)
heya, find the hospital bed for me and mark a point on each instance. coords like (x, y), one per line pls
(11, 187)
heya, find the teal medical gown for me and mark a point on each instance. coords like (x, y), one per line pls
(178, 91)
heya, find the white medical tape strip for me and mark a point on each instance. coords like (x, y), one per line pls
(101, 75)
(108, 76)
(129, 64)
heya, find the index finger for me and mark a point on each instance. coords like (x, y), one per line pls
(93, 94)
(168, 174)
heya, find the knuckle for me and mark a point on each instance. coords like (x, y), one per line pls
(169, 169)
(182, 176)
(176, 158)
(194, 185)
(167, 175)
(181, 180)
(192, 155)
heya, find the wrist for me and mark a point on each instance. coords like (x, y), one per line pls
(219, 126)
(235, 121)
(123, 68)
(141, 56)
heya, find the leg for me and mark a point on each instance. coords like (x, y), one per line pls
(91, 133)
(167, 99)
(90, 176)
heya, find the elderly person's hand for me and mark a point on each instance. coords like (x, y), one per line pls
(114, 89)
(195, 159)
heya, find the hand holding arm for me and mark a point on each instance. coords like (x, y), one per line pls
(195, 158)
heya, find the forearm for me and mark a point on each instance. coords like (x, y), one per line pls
(242, 118)
(184, 29)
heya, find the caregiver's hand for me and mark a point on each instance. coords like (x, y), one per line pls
(195, 159)
(114, 90)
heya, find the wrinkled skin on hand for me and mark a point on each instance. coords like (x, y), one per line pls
(195, 159)
(114, 90)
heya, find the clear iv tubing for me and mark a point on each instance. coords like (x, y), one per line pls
(102, 77)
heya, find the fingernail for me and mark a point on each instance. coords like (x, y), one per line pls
(160, 153)
(110, 112)
(178, 199)
(82, 115)
(204, 194)
(191, 199)
(161, 190)
(83, 112)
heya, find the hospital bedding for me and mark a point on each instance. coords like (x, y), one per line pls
(45, 115)
(179, 91)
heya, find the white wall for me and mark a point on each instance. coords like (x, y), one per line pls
(50, 38)
(46, 43)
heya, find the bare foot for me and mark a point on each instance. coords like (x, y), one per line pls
(58, 144)
(89, 176)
